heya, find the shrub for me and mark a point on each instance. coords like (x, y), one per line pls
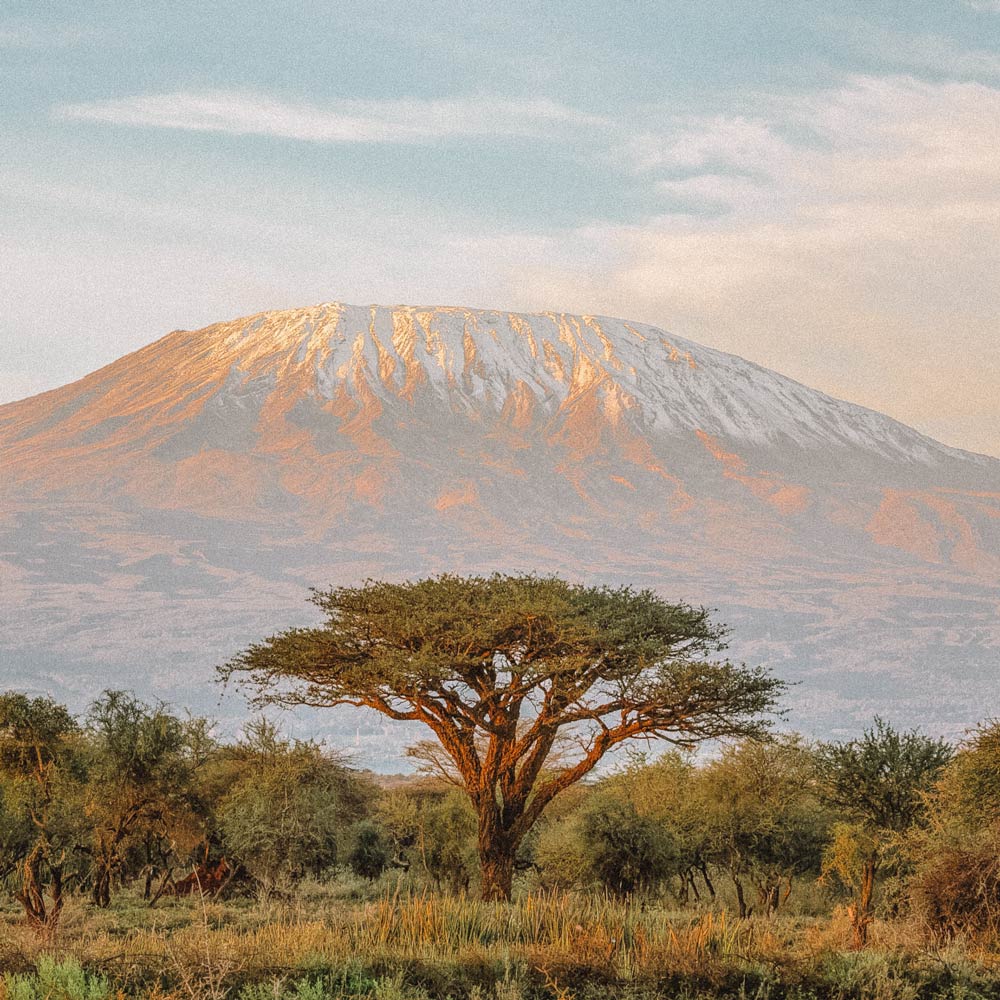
(54, 980)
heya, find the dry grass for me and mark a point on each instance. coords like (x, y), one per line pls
(553, 945)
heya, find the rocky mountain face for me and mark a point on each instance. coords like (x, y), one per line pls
(165, 510)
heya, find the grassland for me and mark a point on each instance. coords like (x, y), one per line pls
(327, 943)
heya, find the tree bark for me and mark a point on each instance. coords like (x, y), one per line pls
(703, 868)
(496, 868)
(860, 910)
(689, 875)
(101, 894)
(741, 901)
(31, 893)
(42, 918)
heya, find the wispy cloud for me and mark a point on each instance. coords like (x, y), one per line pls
(936, 54)
(344, 121)
(860, 221)
(992, 6)
(37, 38)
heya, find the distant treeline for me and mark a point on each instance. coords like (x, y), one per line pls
(134, 796)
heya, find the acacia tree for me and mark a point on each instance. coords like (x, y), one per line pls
(501, 668)
(759, 804)
(880, 782)
(140, 776)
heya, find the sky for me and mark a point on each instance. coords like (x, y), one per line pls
(813, 186)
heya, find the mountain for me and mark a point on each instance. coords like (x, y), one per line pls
(165, 510)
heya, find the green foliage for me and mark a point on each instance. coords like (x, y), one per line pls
(752, 813)
(891, 809)
(370, 855)
(141, 773)
(43, 798)
(881, 779)
(17, 831)
(850, 847)
(397, 815)
(670, 790)
(955, 854)
(561, 855)
(626, 852)
(972, 783)
(445, 847)
(34, 734)
(56, 980)
(764, 822)
(288, 804)
(880, 784)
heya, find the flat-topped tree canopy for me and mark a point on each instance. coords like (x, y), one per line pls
(502, 667)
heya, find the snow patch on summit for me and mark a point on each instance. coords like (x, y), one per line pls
(472, 357)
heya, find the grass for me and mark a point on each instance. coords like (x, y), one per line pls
(409, 946)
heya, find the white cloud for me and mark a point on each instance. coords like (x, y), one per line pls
(357, 121)
(858, 250)
(849, 237)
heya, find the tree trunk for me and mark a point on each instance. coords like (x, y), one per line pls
(166, 881)
(31, 893)
(683, 892)
(496, 870)
(42, 918)
(741, 901)
(860, 910)
(56, 892)
(769, 895)
(703, 868)
(101, 894)
(689, 875)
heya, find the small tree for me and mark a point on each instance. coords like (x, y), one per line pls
(879, 783)
(760, 807)
(288, 804)
(370, 855)
(626, 852)
(140, 781)
(671, 790)
(446, 839)
(955, 852)
(40, 763)
(500, 668)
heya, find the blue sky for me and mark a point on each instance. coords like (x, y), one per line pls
(813, 186)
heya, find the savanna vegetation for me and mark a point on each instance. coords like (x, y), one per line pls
(560, 834)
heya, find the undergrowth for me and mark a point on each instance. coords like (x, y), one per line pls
(418, 947)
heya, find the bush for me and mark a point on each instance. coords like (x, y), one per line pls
(370, 854)
(957, 891)
(54, 980)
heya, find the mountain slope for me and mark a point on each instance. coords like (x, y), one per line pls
(178, 502)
